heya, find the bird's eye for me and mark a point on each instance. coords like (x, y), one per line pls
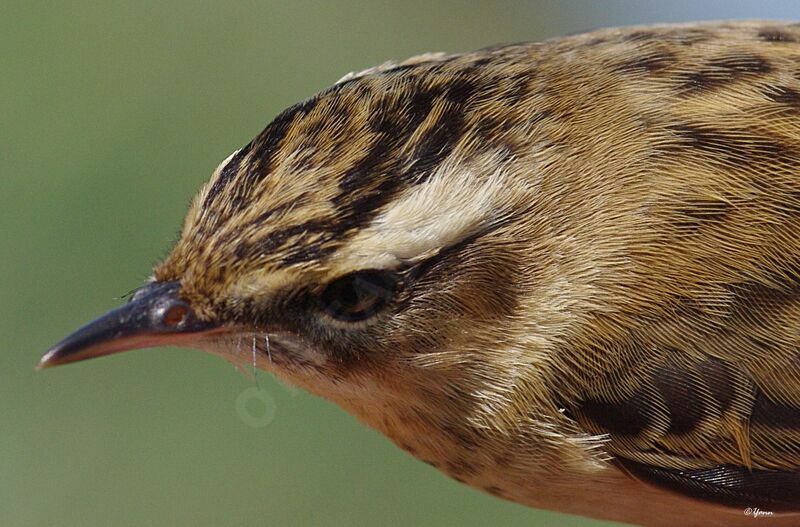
(359, 295)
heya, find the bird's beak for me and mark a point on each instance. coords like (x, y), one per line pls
(155, 316)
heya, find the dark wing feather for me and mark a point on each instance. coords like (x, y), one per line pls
(731, 485)
(702, 426)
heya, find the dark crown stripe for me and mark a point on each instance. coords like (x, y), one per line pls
(226, 175)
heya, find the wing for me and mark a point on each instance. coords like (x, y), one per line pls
(715, 413)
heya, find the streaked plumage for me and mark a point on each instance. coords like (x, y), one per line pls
(588, 251)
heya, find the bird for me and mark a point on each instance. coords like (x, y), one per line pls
(566, 273)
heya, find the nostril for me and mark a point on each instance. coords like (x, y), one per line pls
(175, 315)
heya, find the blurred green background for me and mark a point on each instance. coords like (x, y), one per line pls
(113, 114)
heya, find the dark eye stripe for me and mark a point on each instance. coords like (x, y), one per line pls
(420, 268)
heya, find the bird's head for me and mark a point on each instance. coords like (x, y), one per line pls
(371, 234)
